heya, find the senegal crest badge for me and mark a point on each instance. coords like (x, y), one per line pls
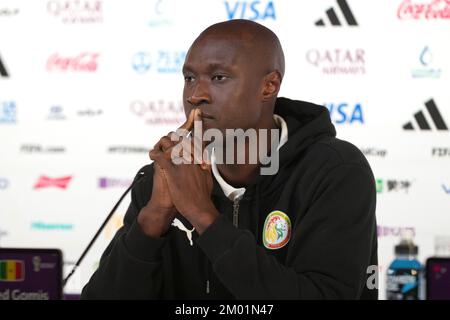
(277, 230)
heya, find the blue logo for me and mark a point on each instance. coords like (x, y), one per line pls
(344, 113)
(170, 62)
(426, 57)
(141, 62)
(56, 113)
(159, 19)
(39, 225)
(250, 10)
(446, 188)
(426, 70)
(162, 61)
(8, 112)
(4, 183)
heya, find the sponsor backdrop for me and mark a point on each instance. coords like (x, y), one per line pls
(88, 86)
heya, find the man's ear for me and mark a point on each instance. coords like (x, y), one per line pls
(271, 85)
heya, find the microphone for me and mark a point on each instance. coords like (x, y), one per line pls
(138, 177)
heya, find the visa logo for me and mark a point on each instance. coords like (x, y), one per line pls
(8, 111)
(250, 10)
(446, 188)
(344, 113)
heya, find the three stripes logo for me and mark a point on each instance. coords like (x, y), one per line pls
(422, 121)
(12, 270)
(3, 71)
(334, 19)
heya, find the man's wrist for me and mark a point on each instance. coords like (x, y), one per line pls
(203, 218)
(141, 246)
(155, 222)
(155, 207)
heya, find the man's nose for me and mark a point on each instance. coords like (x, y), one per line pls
(200, 95)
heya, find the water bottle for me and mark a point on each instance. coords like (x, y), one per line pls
(405, 273)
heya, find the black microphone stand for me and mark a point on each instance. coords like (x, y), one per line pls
(99, 231)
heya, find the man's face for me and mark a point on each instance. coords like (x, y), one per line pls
(223, 81)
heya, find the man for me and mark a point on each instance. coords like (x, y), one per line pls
(224, 230)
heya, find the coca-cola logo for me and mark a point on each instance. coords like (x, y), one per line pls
(435, 9)
(76, 11)
(84, 62)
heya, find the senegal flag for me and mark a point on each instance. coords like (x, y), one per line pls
(12, 270)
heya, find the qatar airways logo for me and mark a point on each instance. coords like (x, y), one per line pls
(431, 10)
(76, 11)
(338, 61)
(84, 62)
(159, 112)
(46, 182)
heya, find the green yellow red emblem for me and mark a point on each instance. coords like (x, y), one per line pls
(277, 230)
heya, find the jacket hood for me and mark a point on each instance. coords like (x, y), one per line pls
(306, 123)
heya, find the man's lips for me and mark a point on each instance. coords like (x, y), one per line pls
(204, 115)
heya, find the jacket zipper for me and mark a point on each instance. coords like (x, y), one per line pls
(236, 212)
(236, 224)
(207, 286)
(208, 276)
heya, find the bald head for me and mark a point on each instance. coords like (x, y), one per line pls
(258, 43)
(233, 72)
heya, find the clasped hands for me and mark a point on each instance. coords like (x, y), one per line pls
(179, 187)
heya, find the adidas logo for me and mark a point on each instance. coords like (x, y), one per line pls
(422, 121)
(3, 71)
(333, 17)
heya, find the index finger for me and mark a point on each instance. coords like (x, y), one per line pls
(189, 124)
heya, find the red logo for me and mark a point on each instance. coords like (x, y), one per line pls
(435, 9)
(84, 62)
(46, 182)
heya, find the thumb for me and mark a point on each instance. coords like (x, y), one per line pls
(189, 124)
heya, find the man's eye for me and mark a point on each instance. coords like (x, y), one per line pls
(188, 79)
(219, 77)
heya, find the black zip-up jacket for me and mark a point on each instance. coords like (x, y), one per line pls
(326, 188)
